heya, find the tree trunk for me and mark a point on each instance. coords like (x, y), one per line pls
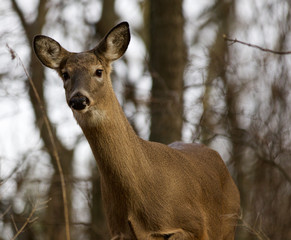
(167, 62)
(53, 222)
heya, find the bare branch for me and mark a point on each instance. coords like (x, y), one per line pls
(20, 14)
(5, 212)
(14, 224)
(279, 168)
(233, 41)
(30, 218)
(254, 230)
(40, 20)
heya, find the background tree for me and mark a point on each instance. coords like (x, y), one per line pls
(53, 219)
(196, 87)
(236, 115)
(167, 62)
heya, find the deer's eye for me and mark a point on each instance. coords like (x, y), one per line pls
(99, 72)
(65, 76)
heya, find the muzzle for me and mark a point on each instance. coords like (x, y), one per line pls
(79, 102)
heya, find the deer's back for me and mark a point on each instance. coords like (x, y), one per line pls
(195, 188)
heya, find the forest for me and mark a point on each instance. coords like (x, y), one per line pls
(213, 72)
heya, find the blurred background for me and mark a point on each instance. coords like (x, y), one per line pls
(179, 80)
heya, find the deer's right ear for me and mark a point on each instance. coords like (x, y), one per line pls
(115, 43)
(49, 51)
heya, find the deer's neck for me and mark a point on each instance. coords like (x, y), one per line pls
(116, 147)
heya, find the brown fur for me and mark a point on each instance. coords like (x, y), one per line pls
(150, 190)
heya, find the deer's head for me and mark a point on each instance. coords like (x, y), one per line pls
(86, 75)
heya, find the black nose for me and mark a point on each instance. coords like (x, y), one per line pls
(79, 102)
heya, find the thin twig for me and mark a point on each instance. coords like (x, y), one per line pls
(279, 168)
(232, 41)
(253, 230)
(5, 212)
(14, 224)
(55, 152)
(30, 219)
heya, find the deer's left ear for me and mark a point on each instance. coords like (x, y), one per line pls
(49, 51)
(115, 43)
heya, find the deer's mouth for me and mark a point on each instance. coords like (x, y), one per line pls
(79, 102)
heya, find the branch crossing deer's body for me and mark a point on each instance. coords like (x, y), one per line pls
(150, 190)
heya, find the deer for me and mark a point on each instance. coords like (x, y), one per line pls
(150, 191)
